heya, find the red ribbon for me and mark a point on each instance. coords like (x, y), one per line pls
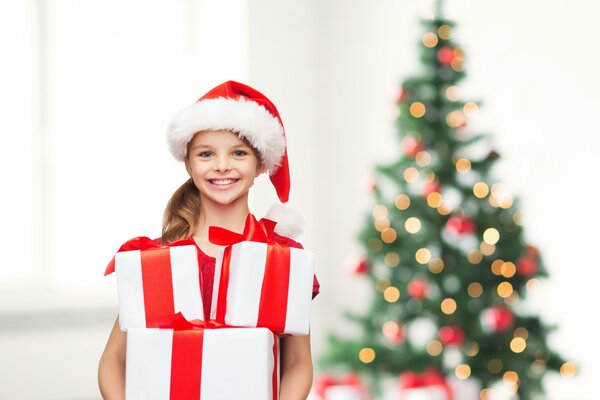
(144, 243)
(411, 380)
(186, 356)
(254, 231)
(157, 279)
(275, 285)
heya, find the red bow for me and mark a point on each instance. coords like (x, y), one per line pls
(326, 381)
(254, 231)
(409, 380)
(144, 243)
(178, 322)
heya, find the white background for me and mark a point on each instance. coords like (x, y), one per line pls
(85, 166)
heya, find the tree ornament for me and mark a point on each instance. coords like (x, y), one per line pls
(445, 55)
(412, 146)
(401, 95)
(394, 332)
(431, 187)
(370, 185)
(527, 266)
(451, 335)
(460, 225)
(361, 267)
(497, 319)
(417, 288)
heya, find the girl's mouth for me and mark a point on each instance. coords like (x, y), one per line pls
(223, 183)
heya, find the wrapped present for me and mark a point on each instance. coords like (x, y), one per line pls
(213, 364)
(259, 282)
(349, 387)
(155, 281)
(431, 385)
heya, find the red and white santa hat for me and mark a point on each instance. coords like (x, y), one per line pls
(241, 109)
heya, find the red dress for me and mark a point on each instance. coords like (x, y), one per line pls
(207, 271)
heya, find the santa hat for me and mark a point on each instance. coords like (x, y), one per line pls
(241, 109)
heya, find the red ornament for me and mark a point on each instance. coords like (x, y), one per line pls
(497, 319)
(445, 55)
(451, 335)
(322, 383)
(394, 332)
(361, 267)
(431, 187)
(527, 266)
(401, 95)
(460, 225)
(412, 146)
(370, 185)
(417, 288)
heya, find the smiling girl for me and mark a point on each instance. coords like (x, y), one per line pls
(226, 139)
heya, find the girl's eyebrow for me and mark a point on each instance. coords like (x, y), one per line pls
(206, 146)
(200, 146)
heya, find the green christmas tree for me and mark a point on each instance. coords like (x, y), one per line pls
(445, 248)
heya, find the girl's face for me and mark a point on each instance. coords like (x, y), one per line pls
(222, 166)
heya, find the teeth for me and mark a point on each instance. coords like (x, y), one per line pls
(222, 181)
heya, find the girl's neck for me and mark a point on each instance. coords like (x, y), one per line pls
(229, 216)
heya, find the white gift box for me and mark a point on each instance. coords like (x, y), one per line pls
(157, 283)
(247, 265)
(345, 392)
(236, 363)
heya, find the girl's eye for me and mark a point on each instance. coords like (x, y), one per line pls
(239, 153)
(205, 154)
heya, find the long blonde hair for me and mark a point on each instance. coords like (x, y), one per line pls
(181, 216)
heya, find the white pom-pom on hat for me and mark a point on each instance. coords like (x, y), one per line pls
(290, 222)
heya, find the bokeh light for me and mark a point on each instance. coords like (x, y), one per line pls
(389, 235)
(430, 40)
(391, 259)
(391, 294)
(475, 289)
(412, 225)
(417, 109)
(480, 190)
(423, 256)
(436, 265)
(366, 355)
(411, 174)
(448, 306)
(462, 371)
(402, 202)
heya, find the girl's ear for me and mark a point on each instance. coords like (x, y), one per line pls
(260, 168)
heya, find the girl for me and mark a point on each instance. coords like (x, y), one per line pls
(226, 139)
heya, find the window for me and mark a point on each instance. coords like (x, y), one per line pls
(90, 88)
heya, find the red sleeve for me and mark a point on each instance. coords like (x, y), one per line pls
(292, 243)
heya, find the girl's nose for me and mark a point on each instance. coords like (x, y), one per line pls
(222, 164)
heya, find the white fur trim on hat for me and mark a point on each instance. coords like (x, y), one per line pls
(247, 118)
(290, 222)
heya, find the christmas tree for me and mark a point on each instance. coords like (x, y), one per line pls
(445, 249)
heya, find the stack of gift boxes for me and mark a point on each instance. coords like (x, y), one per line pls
(262, 290)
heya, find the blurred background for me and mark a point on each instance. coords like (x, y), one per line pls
(89, 86)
